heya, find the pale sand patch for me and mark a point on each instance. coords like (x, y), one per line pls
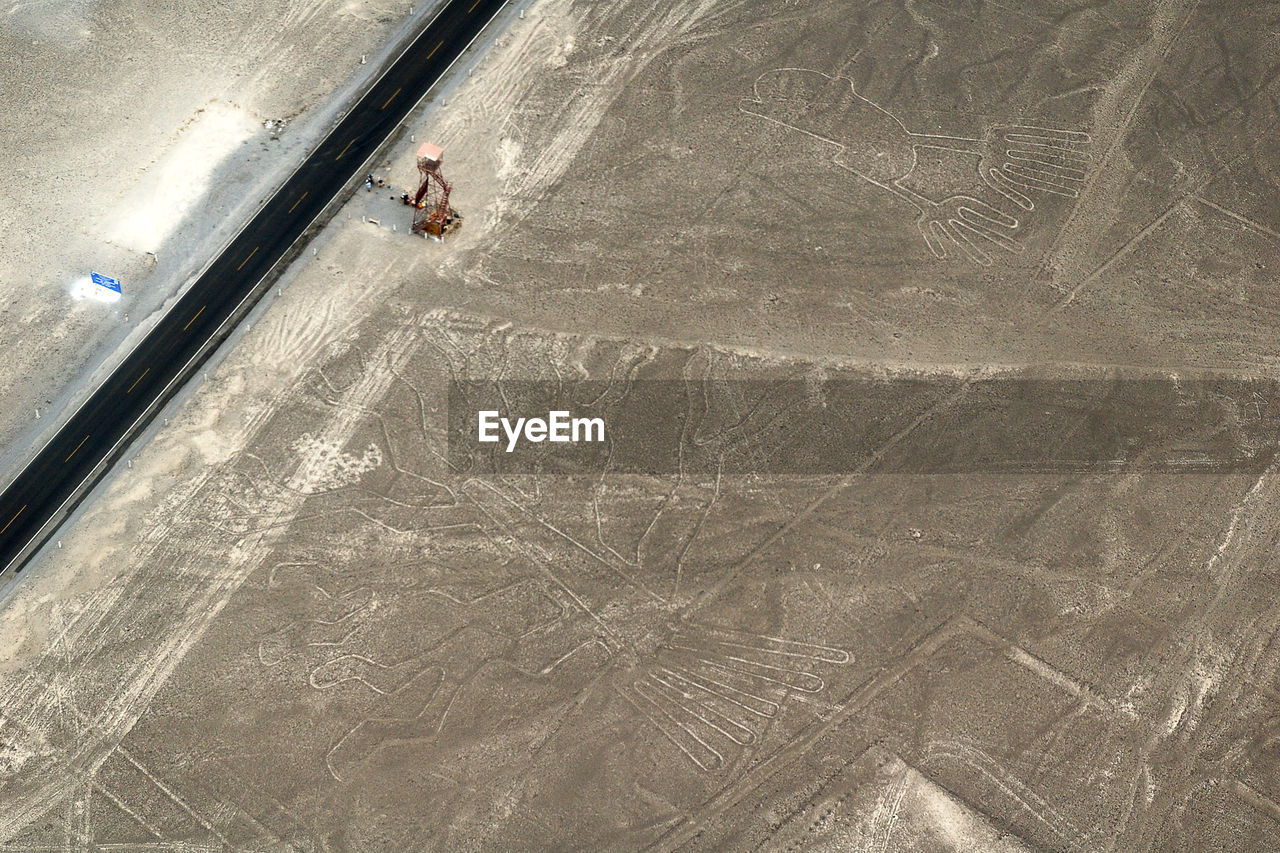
(171, 188)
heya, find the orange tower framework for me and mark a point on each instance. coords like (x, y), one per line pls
(432, 214)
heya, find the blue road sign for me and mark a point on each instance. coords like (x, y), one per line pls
(105, 281)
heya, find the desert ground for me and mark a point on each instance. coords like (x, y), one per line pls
(138, 138)
(998, 620)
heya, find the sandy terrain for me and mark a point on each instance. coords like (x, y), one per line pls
(137, 139)
(294, 625)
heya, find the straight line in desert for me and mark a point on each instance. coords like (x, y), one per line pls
(1091, 213)
(841, 485)
(1194, 194)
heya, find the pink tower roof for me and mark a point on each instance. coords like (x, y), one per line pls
(431, 152)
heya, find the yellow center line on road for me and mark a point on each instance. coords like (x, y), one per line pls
(12, 520)
(251, 254)
(437, 47)
(77, 450)
(299, 201)
(389, 100)
(139, 379)
(198, 313)
(344, 150)
(473, 7)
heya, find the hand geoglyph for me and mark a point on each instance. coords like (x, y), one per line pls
(873, 144)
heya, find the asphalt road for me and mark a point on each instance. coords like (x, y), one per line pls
(68, 466)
